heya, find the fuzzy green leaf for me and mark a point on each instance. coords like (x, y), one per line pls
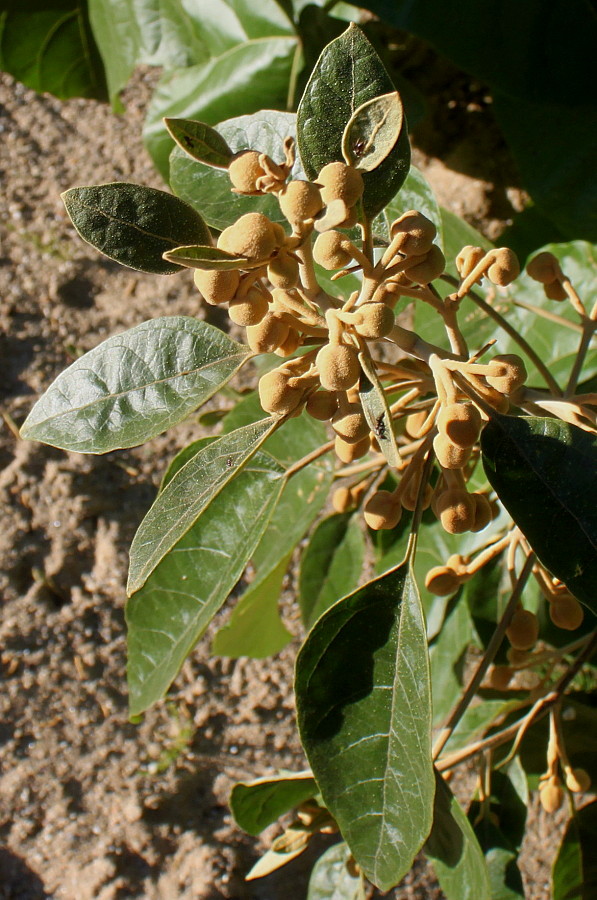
(257, 804)
(364, 713)
(348, 74)
(331, 878)
(200, 142)
(377, 411)
(372, 132)
(209, 259)
(168, 615)
(133, 224)
(134, 386)
(191, 491)
(543, 471)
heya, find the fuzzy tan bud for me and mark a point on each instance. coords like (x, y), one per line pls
(508, 372)
(523, 630)
(338, 366)
(329, 250)
(505, 267)
(248, 310)
(565, 611)
(300, 201)
(382, 510)
(456, 510)
(252, 236)
(322, 405)
(544, 268)
(268, 335)
(340, 182)
(217, 287)
(376, 320)
(276, 395)
(429, 268)
(460, 423)
(417, 233)
(450, 455)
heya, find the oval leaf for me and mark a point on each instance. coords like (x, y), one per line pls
(133, 224)
(134, 386)
(209, 258)
(193, 488)
(348, 74)
(543, 471)
(364, 713)
(331, 564)
(256, 804)
(179, 599)
(377, 411)
(331, 878)
(373, 131)
(454, 850)
(200, 142)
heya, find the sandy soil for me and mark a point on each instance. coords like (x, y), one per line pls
(84, 812)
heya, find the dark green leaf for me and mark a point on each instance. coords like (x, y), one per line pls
(134, 386)
(183, 457)
(347, 74)
(331, 878)
(209, 258)
(257, 804)
(447, 659)
(372, 132)
(209, 190)
(477, 720)
(133, 224)
(543, 471)
(454, 850)
(331, 564)
(376, 410)
(200, 142)
(190, 492)
(50, 47)
(254, 629)
(168, 615)
(574, 875)
(246, 78)
(364, 713)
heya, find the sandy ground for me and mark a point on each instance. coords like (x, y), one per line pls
(84, 815)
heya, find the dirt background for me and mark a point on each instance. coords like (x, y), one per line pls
(85, 813)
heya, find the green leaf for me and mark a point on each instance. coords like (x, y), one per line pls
(168, 615)
(331, 878)
(331, 564)
(183, 457)
(209, 189)
(190, 492)
(364, 714)
(348, 74)
(257, 804)
(415, 193)
(200, 142)
(454, 850)
(134, 386)
(242, 80)
(574, 873)
(254, 629)
(372, 132)
(376, 410)
(133, 224)
(477, 720)
(543, 471)
(50, 48)
(447, 659)
(209, 258)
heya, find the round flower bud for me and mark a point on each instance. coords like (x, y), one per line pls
(382, 510)
(248, 310)
(350, 423)
(338, 366)
(565, 611)
(347, 453)
(299, 201)
(340, 182)
(456, 510)
(450, 455)
(322, 405)
(429, 268)
(251, 236)
(268, 335)
(507, 373)
(342, 499)
(409, 495)
(460, 423)
(244, 170)
(555, 291)
(483, 512)
(283, 271)
(418, 233)
(523, 630)
(376, 320)
(551, 794)
(329, 252)
(578, 781)
(415, 422)
(442, 581)
(499, 677)
(291, 343)
(217, 287)
(505, 267)
(276, 395)
(467, 259)
(544, 268)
